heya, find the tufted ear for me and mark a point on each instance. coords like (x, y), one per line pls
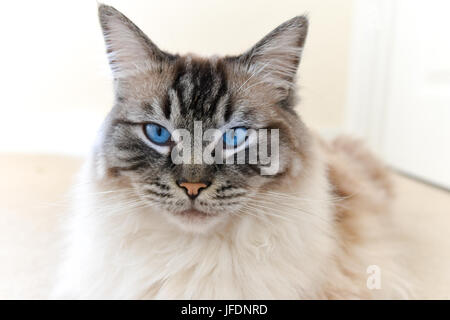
(276, 57)
(129, 50)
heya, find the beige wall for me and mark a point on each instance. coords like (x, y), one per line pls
(56, 73)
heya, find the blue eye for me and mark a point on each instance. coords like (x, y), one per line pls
(234, 137)
(156, 133)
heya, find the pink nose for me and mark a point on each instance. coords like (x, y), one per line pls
(192, 188)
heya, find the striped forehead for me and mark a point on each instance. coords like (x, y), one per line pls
(199, 92)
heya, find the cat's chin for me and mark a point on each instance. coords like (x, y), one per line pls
(196, 221)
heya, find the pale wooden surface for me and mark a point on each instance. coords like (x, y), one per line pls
(32, 194)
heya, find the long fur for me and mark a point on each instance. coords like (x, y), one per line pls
(312, 230)
(290, 245)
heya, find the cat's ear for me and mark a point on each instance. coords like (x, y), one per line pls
(129, 50)
(276, 57)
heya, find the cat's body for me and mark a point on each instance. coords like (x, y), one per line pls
(309, 231)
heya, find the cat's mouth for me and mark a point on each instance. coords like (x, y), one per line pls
(194, 213)
(194, 220)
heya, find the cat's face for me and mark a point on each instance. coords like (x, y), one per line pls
(157, 94)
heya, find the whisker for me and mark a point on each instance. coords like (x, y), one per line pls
(256, 72)
(266, 202)
(281, 215)
(297, 197)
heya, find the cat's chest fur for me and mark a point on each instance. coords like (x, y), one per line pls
(137, 253)
(316, 250)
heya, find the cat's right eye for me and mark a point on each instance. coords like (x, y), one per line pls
(157, 134)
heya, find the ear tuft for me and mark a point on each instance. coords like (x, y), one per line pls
(276, 57)
(129, 50)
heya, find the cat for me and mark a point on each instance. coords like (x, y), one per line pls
(143, 227)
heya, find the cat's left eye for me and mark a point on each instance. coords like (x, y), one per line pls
(234, 137)
(156, 133)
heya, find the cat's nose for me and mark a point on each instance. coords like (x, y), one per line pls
(192, 188)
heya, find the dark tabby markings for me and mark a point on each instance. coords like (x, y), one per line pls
(235, 195)
(138, 147)
(159, 194)
(133, 159)
(225, 187)
(221, 204)
(133, 167)
(160, 185)
(117, 122)
(199, 87)
(128, 146)
(228, 110)
(166, 107)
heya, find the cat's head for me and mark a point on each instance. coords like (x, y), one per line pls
(157, 94)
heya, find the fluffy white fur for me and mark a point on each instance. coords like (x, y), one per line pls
(117, 251)
(282, 247)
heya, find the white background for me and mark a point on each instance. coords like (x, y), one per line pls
(55, 81)
(378, 69)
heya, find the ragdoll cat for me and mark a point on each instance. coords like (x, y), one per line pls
(143, 226)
